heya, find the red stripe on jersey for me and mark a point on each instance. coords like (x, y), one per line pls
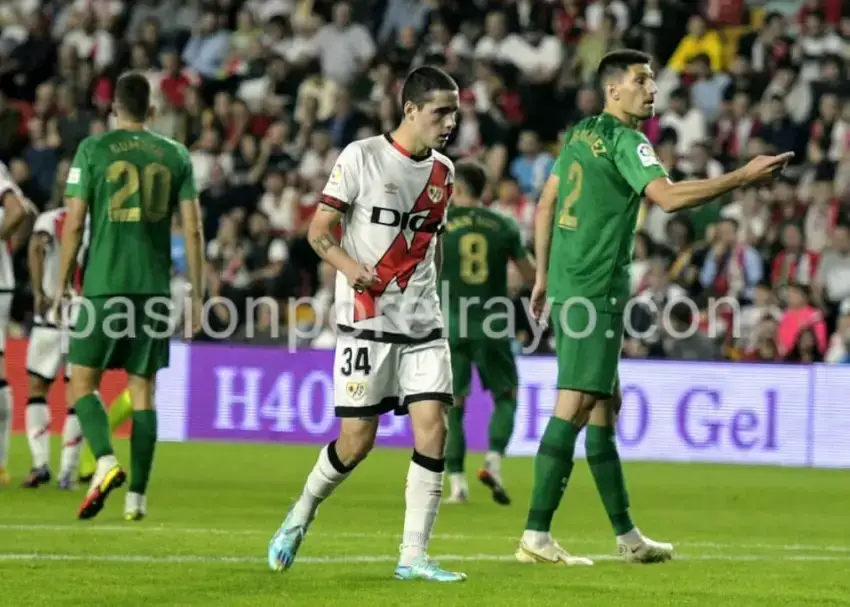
(400, 261)
(334, 203)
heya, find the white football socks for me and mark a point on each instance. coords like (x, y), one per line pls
(422, 497)
(72, 441)
(37, 418)
(457, 483)
(326, 475)
(5, 421)
(493, 464)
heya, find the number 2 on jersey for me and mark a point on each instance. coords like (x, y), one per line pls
(155, 191)
(575, 176)
(473, 259)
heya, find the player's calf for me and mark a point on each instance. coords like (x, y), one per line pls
(456, 454)
(72, 444)
(335, 463)
(424, 479)
(5, 424)
(37, 424)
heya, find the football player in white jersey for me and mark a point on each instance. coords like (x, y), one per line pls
(390, 193)
(14, 210)
(45, 355)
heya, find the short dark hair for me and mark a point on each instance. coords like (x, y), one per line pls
(422, 82)
(617, 62)
(473, 176)
(133, 94)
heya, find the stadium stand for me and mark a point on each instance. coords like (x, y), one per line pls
(266, 94)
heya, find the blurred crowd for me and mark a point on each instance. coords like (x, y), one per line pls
(265, 93)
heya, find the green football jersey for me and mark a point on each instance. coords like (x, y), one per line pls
(477, 246)
(603, 168)
(132, 182)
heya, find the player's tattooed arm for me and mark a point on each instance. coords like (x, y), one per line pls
(543, 222)
(322, 244)
(321, 238)
(438, 254)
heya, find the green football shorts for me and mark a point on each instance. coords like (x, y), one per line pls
(588, 345)
(494, 360)
(122, 332)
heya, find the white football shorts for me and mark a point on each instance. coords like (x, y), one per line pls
(372, 378)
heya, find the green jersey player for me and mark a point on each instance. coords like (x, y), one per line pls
(477, 247)
(584, 236)
(130, 181)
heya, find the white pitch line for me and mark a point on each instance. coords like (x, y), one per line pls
(353, 559)
(458, 537)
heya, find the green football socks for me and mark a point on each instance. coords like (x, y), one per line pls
(552, 467)
(142, 447)
(119, 412)
(604, 462)
(502, 423)
(94, 424)
(455, 442)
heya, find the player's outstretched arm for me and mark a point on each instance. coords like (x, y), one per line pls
(16, 210)
(674, 197)
(543, 220)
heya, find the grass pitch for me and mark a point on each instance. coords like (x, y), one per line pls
(744, 536)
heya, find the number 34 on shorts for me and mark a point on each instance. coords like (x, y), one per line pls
(372, 378)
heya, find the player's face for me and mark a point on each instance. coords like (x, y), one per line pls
(436, 119)
(637, 92)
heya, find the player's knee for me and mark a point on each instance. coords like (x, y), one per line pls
(429, 428)
(508, 396)
(356, 439)
(37, 387)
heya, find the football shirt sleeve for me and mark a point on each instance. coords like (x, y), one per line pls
(636, 161)
(343, 185)
(517, 248)
(44, 224)
(79, 182)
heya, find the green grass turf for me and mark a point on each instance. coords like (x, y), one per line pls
(746, 536)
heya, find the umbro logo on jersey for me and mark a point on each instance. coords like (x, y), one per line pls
(390, 188)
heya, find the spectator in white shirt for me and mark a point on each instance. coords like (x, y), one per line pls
(500, 46)
(345, 48)
(319, 158)
(688, 122)
(595, 13)
(278, 203)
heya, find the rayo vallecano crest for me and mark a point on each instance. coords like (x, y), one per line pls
(355, 390)
(435, 193)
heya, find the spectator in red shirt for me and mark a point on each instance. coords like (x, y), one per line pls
(793, 264)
